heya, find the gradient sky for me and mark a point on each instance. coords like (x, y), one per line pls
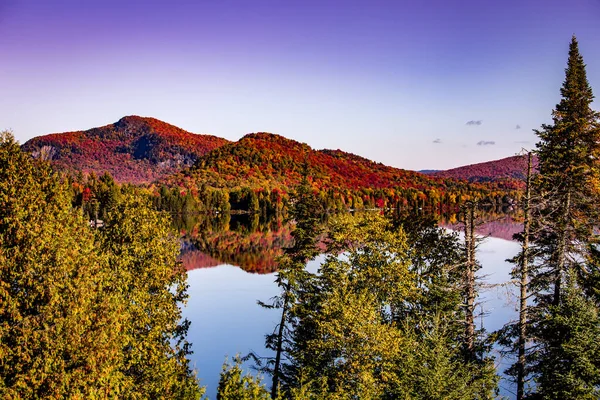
(393, 81)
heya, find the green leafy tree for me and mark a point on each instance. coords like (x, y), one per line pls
(371, 337)
(85, 316)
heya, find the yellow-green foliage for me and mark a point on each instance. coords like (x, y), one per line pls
(85, 317)
(233, 385)
(359, 334)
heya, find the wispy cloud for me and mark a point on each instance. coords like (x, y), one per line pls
(522, 142)
(486, 143)
(475, 122)
(437, 141)
(518, 126)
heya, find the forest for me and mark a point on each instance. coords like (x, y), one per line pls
(91, 286)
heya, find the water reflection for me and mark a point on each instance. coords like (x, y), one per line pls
(226, 319)
(246, 241)
(254, 243)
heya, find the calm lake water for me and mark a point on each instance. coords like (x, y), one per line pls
(226, 319)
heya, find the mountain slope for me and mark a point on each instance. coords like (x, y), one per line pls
(134, 149)
(508, 172)
(265, 161)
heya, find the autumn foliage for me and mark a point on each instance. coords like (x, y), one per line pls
(133, 149)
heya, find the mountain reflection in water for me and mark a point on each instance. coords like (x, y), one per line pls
(246, 241)
(222, 306)
(254, 243)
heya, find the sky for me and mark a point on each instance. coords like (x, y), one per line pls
(412, 84)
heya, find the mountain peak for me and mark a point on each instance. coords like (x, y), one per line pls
(133, 149)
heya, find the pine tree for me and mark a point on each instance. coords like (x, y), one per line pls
(564, 319)
(568, 154)
(292, 276)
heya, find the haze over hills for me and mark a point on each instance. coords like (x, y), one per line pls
(133, 149)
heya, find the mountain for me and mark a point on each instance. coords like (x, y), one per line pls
(268, 165)
(133, 149)
(269, 160)
(508, 172)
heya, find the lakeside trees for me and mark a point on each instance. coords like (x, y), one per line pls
(558, 330)
(86, 313)
(565, 357)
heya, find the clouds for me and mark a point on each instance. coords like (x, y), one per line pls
(437, 141)
(474, 122)
(486, 143)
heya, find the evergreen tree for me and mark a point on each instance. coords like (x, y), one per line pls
(291, 278)
(148, 285)
(57, 332)
(85, 316)
(233, 385)
(373, 332)
(568, 363)
(564, 319)
(569, 154)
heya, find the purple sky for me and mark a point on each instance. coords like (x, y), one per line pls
(394, 81)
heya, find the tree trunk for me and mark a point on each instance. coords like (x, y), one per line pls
(562, 249)
(523, 284)
(470, 282)
(279, 347)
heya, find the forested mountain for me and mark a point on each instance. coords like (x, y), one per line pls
(507, 172)
(266, 159)
(265, 162)
(133, 149)
(254, 174)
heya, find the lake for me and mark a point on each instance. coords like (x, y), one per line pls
(226, 319)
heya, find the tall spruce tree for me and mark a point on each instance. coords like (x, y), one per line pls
(568, 154)
(564, 360)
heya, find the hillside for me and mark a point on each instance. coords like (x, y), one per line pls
(507, 172)
(270, 160)
(133, 149)
(265, 162)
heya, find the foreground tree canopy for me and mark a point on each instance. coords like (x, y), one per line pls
(86, 313)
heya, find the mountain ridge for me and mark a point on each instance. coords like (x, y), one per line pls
(509, 171)
(146, 150)
(134, 149)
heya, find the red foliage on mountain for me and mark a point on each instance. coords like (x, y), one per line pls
(267, 161)
(134, 149)
(508, 172)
